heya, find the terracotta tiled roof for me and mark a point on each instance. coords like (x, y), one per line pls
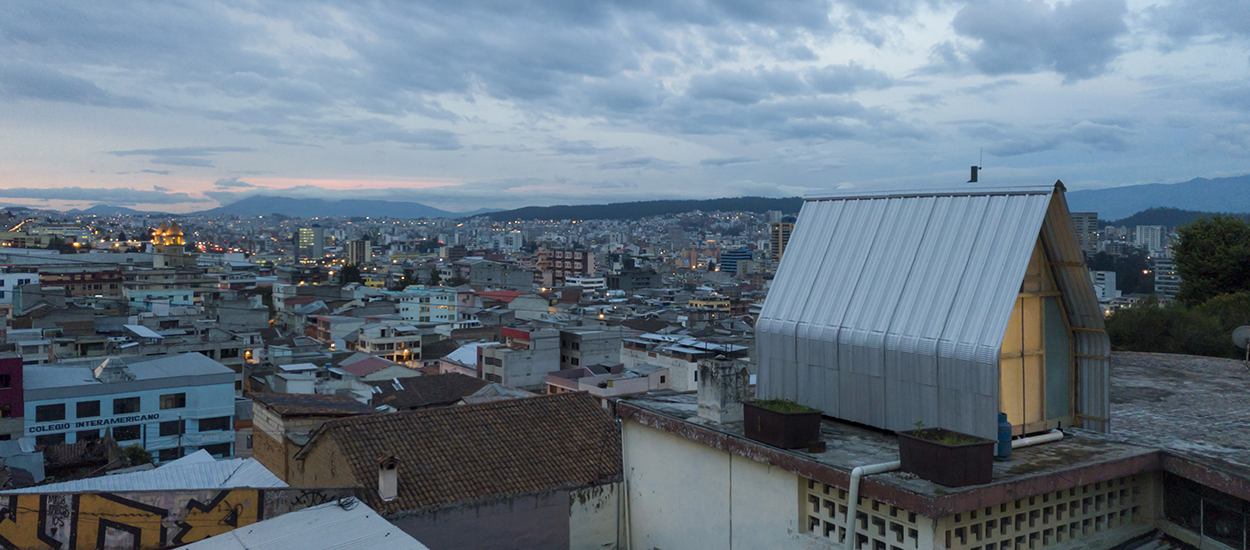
(424, 391)
(501, 295)
(296, 404)
(456, 455)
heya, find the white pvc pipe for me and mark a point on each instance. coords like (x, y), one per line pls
(853, 498)
(1053, 435)
(852, 502)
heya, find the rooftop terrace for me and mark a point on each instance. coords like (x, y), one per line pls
(1178, 413)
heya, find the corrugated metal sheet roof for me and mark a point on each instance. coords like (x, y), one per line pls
(331, 526)
(178, 475)
(891, 307)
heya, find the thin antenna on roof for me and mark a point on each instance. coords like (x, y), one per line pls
(980, 161)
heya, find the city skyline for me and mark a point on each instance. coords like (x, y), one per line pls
(180, 108)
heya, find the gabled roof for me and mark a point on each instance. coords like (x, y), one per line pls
(472, 453)
(424, 391)
(891, 307)
(195, 471)
(505, 296)
(344, 524)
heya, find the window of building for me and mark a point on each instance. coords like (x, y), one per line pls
(575, 361)
(165, 455)
(6, 381)
(88, 435)
(173, 427)
(662, 378)
(88, 409)
(249, 442)
(49, 413)
(220, 449)
(49, 439)
(214, 424)
(126, 433)
(6, 411)
(229, 353)
(125, 405)
(173, 401)
(5, 437)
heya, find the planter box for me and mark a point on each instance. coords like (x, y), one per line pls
(781, 429)
(950, 465)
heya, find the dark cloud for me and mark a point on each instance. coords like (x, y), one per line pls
(161, 189)
(843, 79)
(744, 87)
(1185, 20)
(157, 172)
(117, 196)
(726, 161)
(231, 182)
(640, 163)
(30, 81)
(183, 161)
(181, 151)
(1076, 39)
(578, 148)
(1008, 141)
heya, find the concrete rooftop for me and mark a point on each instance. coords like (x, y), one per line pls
(1192, 408)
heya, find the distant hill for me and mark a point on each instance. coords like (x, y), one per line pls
(106, 210)
(319, 208)
(1199, 194)
(645, 209)
(1168, 217)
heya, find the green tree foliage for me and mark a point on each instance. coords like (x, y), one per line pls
(137, 455)
(435, 278)
(1212, 257)
(1177, 328)
(1130, 270)
(350, 274)
(1162, 215)
(457, 281)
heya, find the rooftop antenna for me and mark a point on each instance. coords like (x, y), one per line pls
(1241, 337)
(979, 166)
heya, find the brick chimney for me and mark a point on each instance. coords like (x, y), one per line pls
(722, 389)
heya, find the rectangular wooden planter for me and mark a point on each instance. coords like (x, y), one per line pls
(781, 429)
(949, 465)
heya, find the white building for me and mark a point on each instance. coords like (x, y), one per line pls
(10, 281)
(588, 282)
(428, 306)
(170, 405)
(1150, 237)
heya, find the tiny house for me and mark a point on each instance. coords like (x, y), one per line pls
(937, 307)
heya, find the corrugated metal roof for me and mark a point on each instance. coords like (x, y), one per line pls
(891, 307)
(331, 526)
(182, 474)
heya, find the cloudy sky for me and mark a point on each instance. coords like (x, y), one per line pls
(179, 106)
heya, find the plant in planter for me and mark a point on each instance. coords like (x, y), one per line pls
(946, 457)
(781, 423)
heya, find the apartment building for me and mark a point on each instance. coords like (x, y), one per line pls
(170, 405)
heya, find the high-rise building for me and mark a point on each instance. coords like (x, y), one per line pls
(359, 252)
(779, 236)
(310, 243)
(1086, 226)
(730, 259)
(1150, 237)
(1167, 280)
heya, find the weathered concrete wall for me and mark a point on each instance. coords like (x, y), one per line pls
(537, 522)
(596, 518)
(739, 503)
(146, 520)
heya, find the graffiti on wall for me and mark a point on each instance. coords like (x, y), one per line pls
(145, 520)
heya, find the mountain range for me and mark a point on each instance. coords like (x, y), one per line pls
(1196, 196)
(1200, 194)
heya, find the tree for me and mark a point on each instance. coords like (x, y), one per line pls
(457, 281)
(137, 455)
(350, 274)
(1213, 257)
(435, 278)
